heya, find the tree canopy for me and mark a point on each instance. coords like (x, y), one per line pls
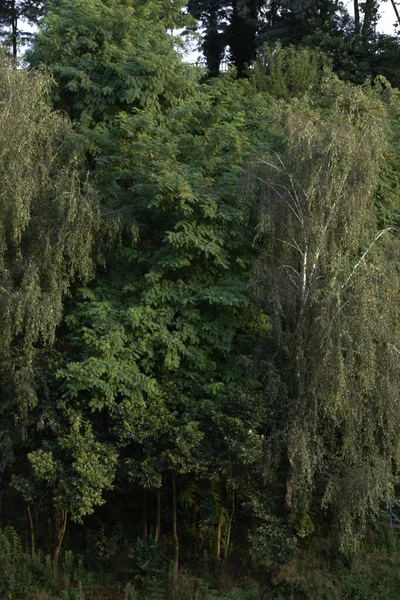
(199, 302)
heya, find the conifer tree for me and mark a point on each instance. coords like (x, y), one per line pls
(13, 15)
(212, 17)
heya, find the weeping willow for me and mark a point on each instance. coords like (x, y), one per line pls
(327, 276)
(48, 219)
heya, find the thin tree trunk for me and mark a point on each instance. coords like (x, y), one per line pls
(14, 30)
(223, 490)
(219, 530)
(14, 40)
(31, 528)
(368, 19)
(60, 536)
(176, 538)
(289, 490)
(229, 532)
(158, 524)
(356, 17)
(144, 514)
(196, 537)
(396, 10)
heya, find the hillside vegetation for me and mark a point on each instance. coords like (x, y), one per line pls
(199, 304)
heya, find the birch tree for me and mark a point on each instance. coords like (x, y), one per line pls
(331, 289)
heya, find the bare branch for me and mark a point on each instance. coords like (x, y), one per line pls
(298, 217)
(292, 245)
(264, 162)
(372, 244)
(290, 268)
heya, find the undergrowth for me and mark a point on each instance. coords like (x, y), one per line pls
(373, 575)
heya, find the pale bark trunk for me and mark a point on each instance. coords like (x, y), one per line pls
(32, 530)
(229, 532)
(219, 530)
(289, 490)
(60, 535)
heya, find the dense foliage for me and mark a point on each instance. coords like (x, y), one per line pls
(199, 306)
(48, 220)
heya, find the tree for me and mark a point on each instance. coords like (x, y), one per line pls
(242, 33)
(47, 224)
(77, 468)
(108, 56)
(161, 331)
(161, 328)
(332, 296)
(396, 12)
(12, 12)
(293, 22)
(244, 26)
(212, 16)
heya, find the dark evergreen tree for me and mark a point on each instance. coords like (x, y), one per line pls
(13, 14)
(242, 33)
(291, 21)
(242, 26)
(212, 16)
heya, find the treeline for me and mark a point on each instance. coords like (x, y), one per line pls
(236, 30)
(199, 312)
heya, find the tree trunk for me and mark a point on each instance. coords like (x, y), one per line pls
(14, 30)
(213, 43)
(396, 10)
(369, 16)
(196, 538)
(60, 535)
(219, 530)
(176, 539)
(31, 528)
(144, 514)
(242, 33)
(228, 534)
(289, 490)
(158, 524)
(356, 17)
